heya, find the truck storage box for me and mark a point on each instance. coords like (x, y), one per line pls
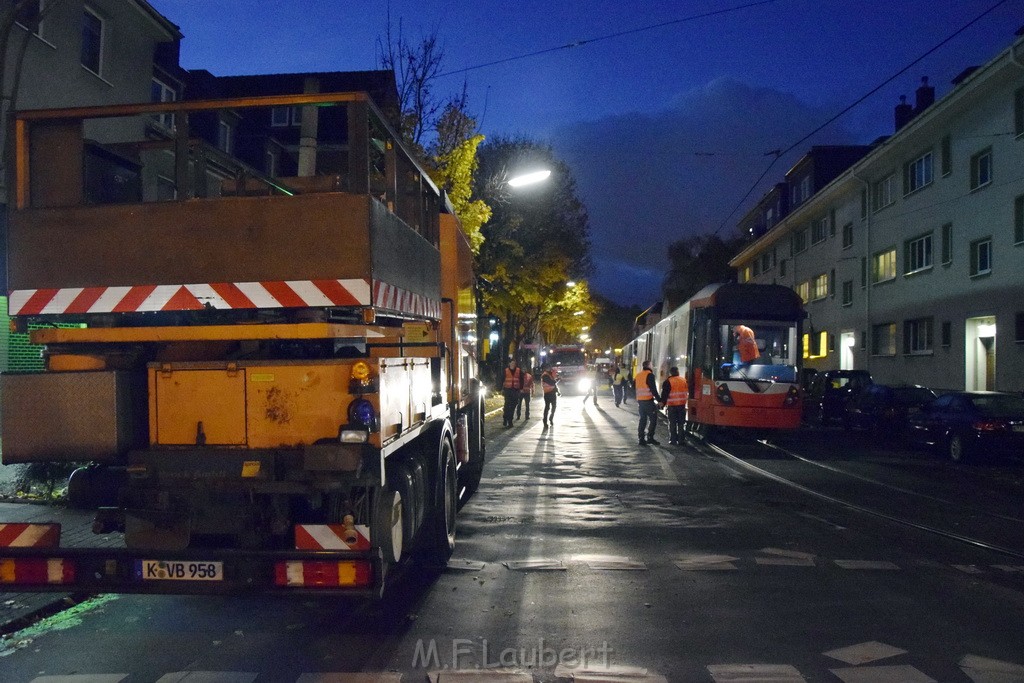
(72, 416)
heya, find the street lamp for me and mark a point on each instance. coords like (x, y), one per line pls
(529, 178)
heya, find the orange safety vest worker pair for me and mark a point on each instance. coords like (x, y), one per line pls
(679, 391)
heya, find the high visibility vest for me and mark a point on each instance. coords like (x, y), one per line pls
(619, 378)
(527, 383)
(746, 344)
(548, 388)
(678, 392)
(513, 379)
(643, 392)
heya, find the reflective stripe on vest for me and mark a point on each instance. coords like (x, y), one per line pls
(512, 379)
(548, 388)
(643, 392)
(678, 391)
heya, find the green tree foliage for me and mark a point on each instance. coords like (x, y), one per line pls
(613, 327)
(455, 164)
(697, 262)
(536, 241)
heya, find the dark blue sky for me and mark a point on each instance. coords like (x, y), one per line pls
(635, 116)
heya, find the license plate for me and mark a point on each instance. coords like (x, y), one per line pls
(1018, 428)
(163, 570)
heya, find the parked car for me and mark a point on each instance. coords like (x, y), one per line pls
(829, 391)
(967, 423)
(883, 409)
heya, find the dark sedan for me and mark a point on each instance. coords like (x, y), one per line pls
(826, 397)
(966, 424)
(884, 409)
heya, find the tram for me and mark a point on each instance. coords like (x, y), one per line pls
(739, 348)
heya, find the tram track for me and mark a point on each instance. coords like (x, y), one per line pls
(866, 509)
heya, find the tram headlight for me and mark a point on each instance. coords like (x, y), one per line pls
(724, 395)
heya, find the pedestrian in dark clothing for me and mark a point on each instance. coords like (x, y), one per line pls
(526, 396)
(620, 382)
(595, 383)
(511, 389)
(647, 398)
(549, 383)
(675, 392)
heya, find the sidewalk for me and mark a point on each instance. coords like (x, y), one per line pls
(76, 530)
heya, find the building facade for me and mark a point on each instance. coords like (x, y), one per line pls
(80, 53)
(911, 261)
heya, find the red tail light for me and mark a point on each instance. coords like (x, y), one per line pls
(33, 571)
(313, 573)
(990, 426)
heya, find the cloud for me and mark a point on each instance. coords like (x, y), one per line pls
(650, 179)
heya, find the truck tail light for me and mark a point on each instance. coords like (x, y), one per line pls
(323, 573)
(36, 571)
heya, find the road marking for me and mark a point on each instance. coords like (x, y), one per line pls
(1010, 568)
(866, 564)
(612, 563)
(862, 653)
(969, 568)
(785, 561)
(706, 562)
(755, 673)
(985, 670)
(609, 674)
(208, 677)
(788, 553)
(82, 678)
(665, 467)
(535, 565)
(464, 565)
(391, 677)
(882, 674)
(472, 676)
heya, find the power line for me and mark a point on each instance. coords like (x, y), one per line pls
(854, 104)
(618, 34)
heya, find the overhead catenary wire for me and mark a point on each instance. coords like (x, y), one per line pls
(778, 155)
(609, 36)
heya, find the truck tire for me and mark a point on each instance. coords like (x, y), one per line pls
(439, 533)
(407, 479)
(387, 525)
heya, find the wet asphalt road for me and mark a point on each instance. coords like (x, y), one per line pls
(674, 561)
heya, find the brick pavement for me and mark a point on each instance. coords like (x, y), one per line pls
(76, 531)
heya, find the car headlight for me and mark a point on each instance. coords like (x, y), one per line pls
(584, 384)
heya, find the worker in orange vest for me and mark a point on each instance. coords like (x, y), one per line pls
(746, 345)
(675, 392)
(549, 383)
(511, 389)
(647, 397)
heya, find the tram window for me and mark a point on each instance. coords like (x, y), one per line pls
(775, 345)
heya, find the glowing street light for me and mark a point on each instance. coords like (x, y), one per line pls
(570, 284)
(529, 178)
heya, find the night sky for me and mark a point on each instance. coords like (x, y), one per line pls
(666, 128)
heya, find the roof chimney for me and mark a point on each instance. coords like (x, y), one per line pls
(925, 96)
(904, 112)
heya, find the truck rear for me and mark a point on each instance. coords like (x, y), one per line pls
(270, 376)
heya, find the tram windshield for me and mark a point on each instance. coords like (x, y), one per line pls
(762, 351)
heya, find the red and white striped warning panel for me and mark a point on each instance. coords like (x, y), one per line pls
(331, 537)
(221, 295)
(390, 298)
(29, 535)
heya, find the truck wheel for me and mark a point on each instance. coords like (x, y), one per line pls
(440, 538)
(387, 531)
(473, 471)
(407, 479)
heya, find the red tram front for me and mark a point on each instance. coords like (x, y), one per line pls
(739, 348)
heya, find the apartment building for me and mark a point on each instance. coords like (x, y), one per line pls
(911, 261)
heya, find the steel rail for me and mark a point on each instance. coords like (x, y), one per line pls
(868, 511)
(883, 484)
